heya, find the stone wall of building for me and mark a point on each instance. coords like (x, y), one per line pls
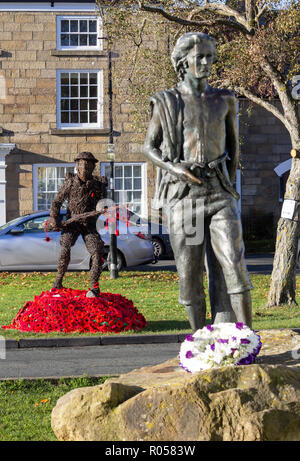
(28, 105)
(265, 143)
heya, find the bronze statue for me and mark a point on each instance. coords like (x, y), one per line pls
(82, 191)
(192, 138)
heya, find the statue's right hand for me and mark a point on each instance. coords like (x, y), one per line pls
(184, 175)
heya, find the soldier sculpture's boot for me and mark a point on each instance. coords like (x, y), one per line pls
(242, 307)
(196, 316)
(93, 293)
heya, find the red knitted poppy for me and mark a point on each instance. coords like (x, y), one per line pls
(70, 310)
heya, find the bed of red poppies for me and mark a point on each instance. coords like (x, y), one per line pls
(69, 310)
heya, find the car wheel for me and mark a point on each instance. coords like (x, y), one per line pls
(120, 260)
(158, 247)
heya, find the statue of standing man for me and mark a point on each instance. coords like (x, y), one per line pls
(193, 140)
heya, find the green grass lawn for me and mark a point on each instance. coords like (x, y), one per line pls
(154, 294)
(26, 406)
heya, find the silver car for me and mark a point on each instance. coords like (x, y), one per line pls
(24, 246)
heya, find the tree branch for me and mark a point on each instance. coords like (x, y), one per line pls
(261, 102)
(223, 10)
(283, 93)
(189, 22)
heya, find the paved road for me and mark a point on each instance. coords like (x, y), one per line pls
(88, 360)
(256, 264)
(261, 263)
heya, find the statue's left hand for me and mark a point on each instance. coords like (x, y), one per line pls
(54, 224)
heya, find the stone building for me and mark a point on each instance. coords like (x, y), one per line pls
(54, 103)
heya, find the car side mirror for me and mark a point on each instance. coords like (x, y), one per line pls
(17, 231)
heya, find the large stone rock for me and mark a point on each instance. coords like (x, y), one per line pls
(242, 403)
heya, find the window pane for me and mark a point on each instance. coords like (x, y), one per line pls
(74, 91)
(65, 91)
(60, 182)
(60, 172)
(74, 104)
(118, 171)
(83, 25)
(92, 40)
(116, 197)
(137, 209)
(128, 183)
(83, 117)
(64, 26)
(51, 185)
(136, 196)
(51, 173)
(92, 25)
(64, 117)
(83, 104)
(93, 78)
(137, 171)
(93, 117)
(64, 79)
(74, 117)
(49, 198)
(65, 40)
(83, 91)
(83, 78)
(74, 25)
(73, 40)
(93, 91)
(74, 79)
(64, 104)
(118, 183)
(128, 171)
(83, 40)
(93, 104)
(137, 183)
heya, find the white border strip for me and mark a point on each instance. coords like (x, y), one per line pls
(46, 6)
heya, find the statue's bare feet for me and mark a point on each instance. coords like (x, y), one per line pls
(93, 293)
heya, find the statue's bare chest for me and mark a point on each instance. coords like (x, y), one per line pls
(203, 121)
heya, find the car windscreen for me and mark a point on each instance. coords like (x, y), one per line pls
(10, 223)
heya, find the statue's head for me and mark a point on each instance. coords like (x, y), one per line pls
(85, 165)
(195, 51)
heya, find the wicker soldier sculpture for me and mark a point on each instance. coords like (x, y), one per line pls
(82, 191)
(192, 138)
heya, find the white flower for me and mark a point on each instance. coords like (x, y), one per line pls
(219, 345)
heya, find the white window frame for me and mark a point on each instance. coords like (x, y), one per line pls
(98, 33)
(99, 124)
(35, 178)
(143, 165)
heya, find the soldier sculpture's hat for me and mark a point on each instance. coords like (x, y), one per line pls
(86, 156)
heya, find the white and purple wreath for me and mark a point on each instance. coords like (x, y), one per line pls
(219, 345)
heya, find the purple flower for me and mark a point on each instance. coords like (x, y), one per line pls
(222, 341)
(239, 325)
(210, 328)
(247, 360)
(189, 355)
(190, 338)
(186, 369)
(212, 346)
(233, 338)
(245, 341)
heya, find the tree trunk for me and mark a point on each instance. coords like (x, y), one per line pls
(283, 279)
